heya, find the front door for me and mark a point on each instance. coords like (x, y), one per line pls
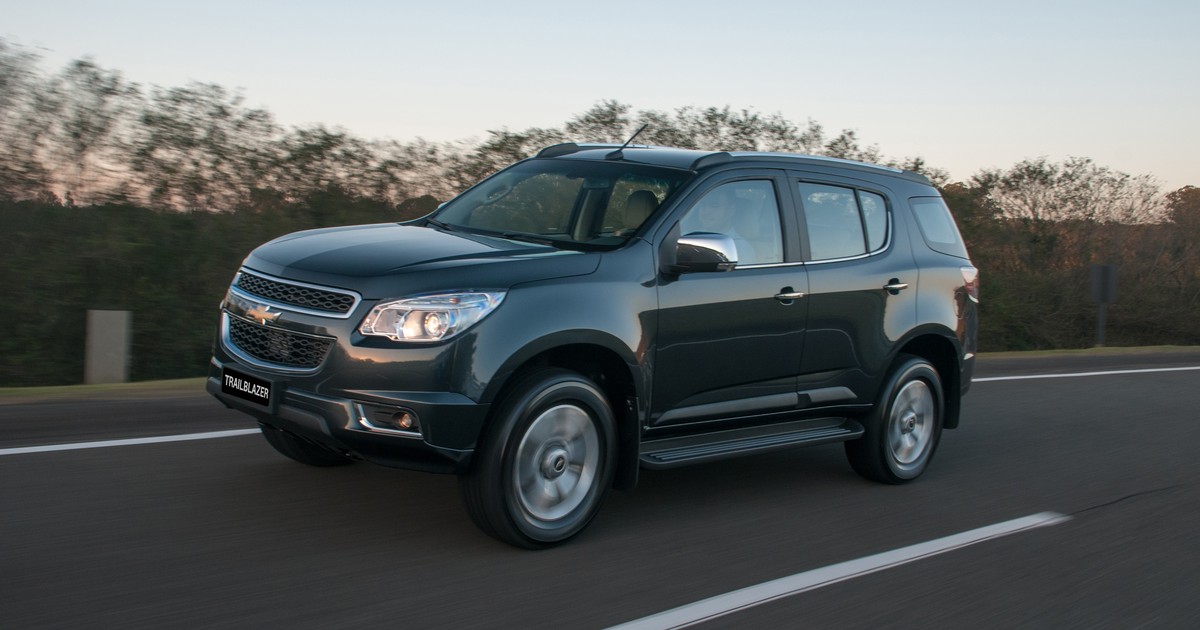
(729, 343)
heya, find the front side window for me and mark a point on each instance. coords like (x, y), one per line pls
(745, 210)
(567, 203)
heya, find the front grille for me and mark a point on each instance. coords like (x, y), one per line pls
(317, 299)
(274, 345)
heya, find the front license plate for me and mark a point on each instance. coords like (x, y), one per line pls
(246, 387)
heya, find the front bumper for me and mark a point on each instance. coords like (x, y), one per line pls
(449, 423)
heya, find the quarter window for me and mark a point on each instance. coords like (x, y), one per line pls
(874, 210)
(937, 226)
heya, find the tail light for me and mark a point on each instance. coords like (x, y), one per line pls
(971, 282)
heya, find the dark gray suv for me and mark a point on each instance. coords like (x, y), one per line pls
(596, 310)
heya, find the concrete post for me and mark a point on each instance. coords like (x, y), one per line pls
(107, 356)
(1104, 291)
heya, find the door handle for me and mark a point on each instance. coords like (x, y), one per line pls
(894, 286)
(788, 295)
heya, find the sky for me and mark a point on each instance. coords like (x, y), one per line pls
(965, 85)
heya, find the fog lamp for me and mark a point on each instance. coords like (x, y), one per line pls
(403, 420)
(388, 419)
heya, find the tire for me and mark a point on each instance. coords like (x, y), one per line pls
(904, 429)
(301, 451)
(545, 462)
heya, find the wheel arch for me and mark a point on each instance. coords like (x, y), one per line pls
(617, 379)
(943, 353)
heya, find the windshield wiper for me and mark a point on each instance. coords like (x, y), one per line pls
(556, 243)
(439, 224)
(529, 238)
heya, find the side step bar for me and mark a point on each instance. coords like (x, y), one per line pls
(705, 447)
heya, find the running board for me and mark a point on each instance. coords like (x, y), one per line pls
(706, 447)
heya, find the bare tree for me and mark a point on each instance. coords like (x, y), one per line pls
(422, 167)
(1075, 189)
(199, 148)
(316, 158)
(846, 146)
(85, 110)
(712, 128)
(607, 121)
(500, 149)
(21, 174)
(940, 177)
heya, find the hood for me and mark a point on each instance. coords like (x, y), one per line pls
(373, 250)
(365, 256)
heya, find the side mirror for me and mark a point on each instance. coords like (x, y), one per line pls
(704, 252)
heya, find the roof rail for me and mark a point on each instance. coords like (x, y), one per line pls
(712, 159)
(556, 150)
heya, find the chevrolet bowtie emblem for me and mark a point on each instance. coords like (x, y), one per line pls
(261, 314)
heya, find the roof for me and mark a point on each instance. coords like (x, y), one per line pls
(640, 154)
(696, 160)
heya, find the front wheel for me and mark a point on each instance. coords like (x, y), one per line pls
(903, 430)
(544, 465)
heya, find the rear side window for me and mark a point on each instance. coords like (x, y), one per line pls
(937, 226)
(843, 222)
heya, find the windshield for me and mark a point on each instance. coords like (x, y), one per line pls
(569, 203)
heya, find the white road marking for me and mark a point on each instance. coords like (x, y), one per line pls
(721, 605)
(1079, 374)
(185, 437)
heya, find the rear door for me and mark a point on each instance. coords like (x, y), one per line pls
(862, 282)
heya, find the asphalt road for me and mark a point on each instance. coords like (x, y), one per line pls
(226, 533)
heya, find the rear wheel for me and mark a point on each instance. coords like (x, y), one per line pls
(301, 451)
(903, 431)
(544, 465)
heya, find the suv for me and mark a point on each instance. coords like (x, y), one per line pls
(595, 310)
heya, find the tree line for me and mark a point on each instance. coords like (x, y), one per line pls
(86, 136)
(115, 195)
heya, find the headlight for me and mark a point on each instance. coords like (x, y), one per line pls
(429, 317)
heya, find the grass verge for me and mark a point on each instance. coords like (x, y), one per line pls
(141, 389)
